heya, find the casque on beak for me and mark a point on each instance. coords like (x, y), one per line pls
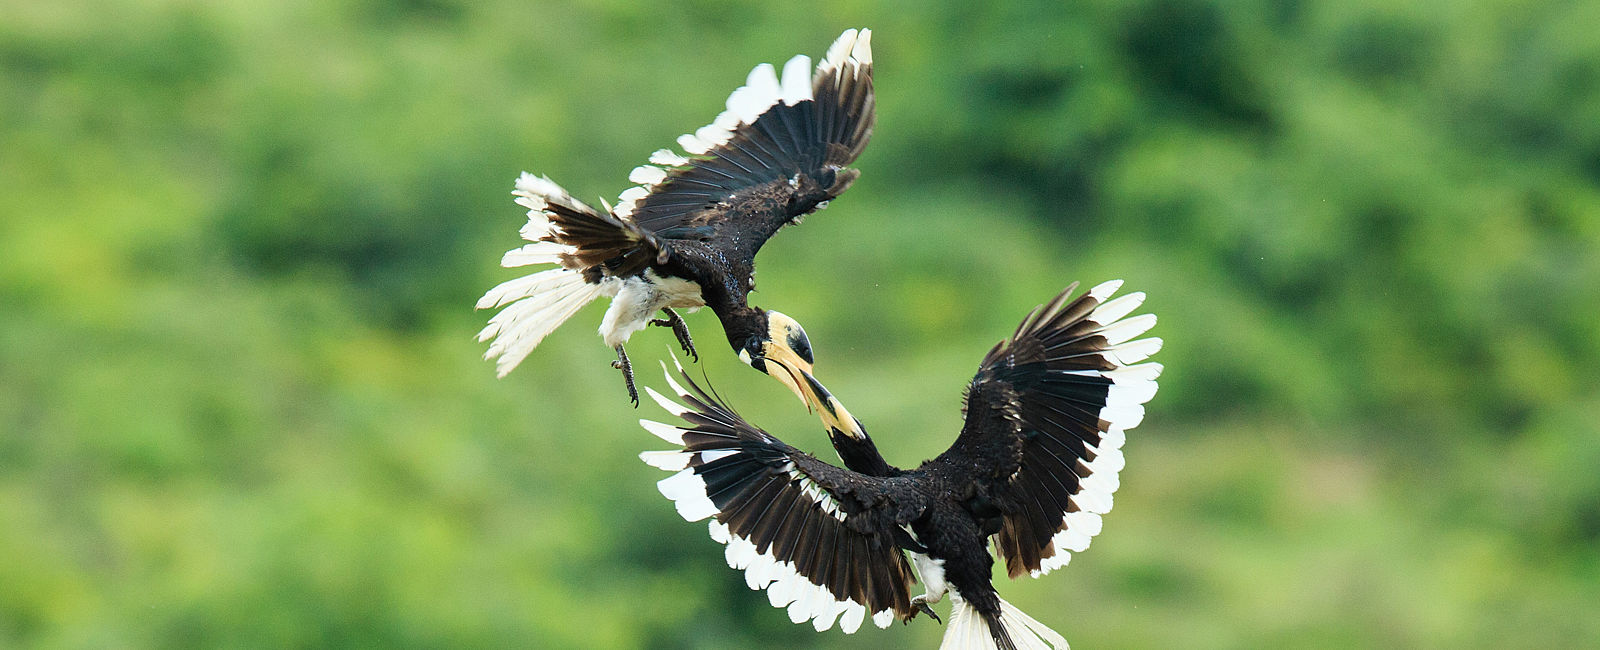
(786, 357)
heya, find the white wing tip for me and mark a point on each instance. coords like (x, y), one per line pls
(688, 142)
(673, 383)
(687, 491)
(719, 532)
(1133, 352)
(1126, 329)
(671, 461)
(862, 50)
(1111, 311)
(762, 89)
(842, 47)
(665, 432)
(883, 619)
(796, 84)
(666, 404)
(647, 175)
(1105, 289)
(540, 186)
(669, 158)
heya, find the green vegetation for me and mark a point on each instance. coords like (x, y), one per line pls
(241, 403)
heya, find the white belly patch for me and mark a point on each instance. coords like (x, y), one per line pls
(638, 300)
(680, 293)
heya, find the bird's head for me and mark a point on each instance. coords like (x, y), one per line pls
(782, 350)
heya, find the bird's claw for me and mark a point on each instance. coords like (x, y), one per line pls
(918, 604)
(626, 367)
(680, 329)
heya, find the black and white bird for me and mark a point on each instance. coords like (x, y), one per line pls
(1033, 469)
(687, 236)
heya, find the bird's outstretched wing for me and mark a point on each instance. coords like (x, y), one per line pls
(816, 537)
(777, 152)
(1052, 402)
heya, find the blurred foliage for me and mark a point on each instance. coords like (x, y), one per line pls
(240, 402)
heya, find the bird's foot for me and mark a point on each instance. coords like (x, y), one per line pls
(680, 329)
(920, 604)
(626, 367)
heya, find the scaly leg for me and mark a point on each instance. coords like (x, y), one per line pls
(627, 374)
(932, 573)
(680, 329)
(920, 604)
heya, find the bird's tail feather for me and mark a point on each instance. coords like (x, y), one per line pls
(535, 306)
(968, 630)
(537, 303)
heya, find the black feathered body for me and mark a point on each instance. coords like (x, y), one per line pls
(716, 247)
(1032, 470)
(687, 235)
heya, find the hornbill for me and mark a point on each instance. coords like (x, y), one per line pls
(686, 237)
(1033, 468)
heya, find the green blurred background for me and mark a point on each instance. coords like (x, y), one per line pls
(241, 403)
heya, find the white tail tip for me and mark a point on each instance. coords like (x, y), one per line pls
(968, 631)
(534, 305)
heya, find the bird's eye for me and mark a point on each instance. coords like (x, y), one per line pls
(755, 361)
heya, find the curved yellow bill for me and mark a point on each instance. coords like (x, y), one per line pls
(795, 373)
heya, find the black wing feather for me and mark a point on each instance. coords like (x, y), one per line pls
(822, 527)
(757, 171)
(1046, 412)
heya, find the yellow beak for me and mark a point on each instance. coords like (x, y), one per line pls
(794, 372)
